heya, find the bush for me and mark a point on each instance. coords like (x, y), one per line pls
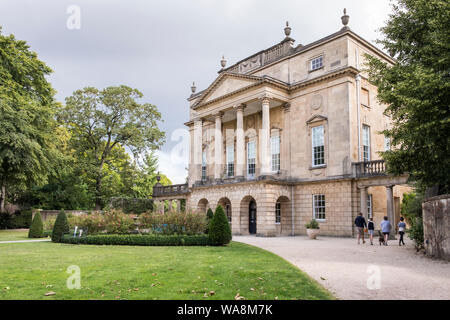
(61, 227)
(168, 223)
(17, 220)
(219, 228)
(313, 224)
(37, 227)
(415, 233)
(139, 240)
(209, 216)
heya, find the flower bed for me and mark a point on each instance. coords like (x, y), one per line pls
(139, 240)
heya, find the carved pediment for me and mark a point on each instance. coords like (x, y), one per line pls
(316, 118)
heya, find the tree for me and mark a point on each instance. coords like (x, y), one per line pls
(37, 227)
(219, 228)
(416, 91)
(60, 227)
(101, 120)
(28, 130)
(209, 216)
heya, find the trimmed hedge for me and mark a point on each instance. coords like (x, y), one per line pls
(139, 240)
(61, 226)
(219, 228)
(37, 227)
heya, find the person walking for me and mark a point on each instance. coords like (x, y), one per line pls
(371, 230)
(385, 229)
(401, 231)
(360, 223)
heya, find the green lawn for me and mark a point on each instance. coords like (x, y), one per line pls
(17, 234)
(29, 270)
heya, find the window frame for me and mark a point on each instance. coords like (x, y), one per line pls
(251, 164)
(204, 168)
(366, 138)
(230, 160)
(278, 212)
(275, 137)
(322, 146)
(320, 199)
(315, 66)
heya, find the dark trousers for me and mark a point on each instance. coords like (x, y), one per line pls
(401, 237)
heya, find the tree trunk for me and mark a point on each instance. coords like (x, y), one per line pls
(2, 198)
(98, 193)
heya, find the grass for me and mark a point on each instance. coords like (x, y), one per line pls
(29, 270)
(16, 234)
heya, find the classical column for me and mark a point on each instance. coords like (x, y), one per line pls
(286, 140)
(240, 141)
(390, 209)
(265, 136)
(178, 205)
(198, 135)
(218, 153)
(363, 191)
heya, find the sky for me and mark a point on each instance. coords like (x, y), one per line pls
(161, 47)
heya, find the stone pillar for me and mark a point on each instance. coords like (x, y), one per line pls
(198, 143)
(218, 153)
(265, 137)
(390, 210)
(286, 141)
(363, 192)
(240, 141)
(178, 205)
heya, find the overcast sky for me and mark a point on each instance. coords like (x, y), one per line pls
(160, 47)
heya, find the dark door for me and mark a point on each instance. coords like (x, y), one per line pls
(252, 217)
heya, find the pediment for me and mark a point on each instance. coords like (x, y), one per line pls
(316, 118)
(226, 84)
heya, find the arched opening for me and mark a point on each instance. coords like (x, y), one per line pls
(226, 205)
(283, 216)
(202, 205)
(248, 215)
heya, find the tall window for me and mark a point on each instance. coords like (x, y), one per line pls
(204, 165)
(369, 206)
(366, 143)
(230, 160)
(251, 158)
(319, 206)
(275, 151)
(387, 143)
(228, 211)
(318, 146)
(365, 97)
(317, 63)
(278, 212)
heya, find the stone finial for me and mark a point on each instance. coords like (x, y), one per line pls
(193, 88)
(287, 29)
(223, 62)
(345, 18)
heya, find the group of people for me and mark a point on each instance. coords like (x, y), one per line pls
(385, 227)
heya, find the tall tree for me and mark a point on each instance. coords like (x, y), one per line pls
(416, 90)
(28, 130)
(101, 119)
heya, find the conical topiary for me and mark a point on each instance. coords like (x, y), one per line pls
(219, 228)
(209, 216)
(61, 227)
(37, 227)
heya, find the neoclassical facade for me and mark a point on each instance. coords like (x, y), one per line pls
(289, 134)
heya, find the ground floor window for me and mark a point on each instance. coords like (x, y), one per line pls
(369, 206)
(319, 206)
(228, 212)
(278, 212)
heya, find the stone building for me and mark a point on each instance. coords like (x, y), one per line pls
(289, 134)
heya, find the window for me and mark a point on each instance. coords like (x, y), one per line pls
(251, 158)
(278, 212)
(318, 147)
(316, 63)
(387, 143)
(369, 206)
(228, 211)
(275, 152)
(319, 206)
(230, 161)
(366, 143)
(204, 165)
(365, 97)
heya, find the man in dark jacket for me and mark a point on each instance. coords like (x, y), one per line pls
(360, 223)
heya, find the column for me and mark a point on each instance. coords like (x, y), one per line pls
(286, 140)
(218, 153)
(178, 205)
(363, 191)
(240, 141)
(390, 210)
(265, 136)
(198, 143)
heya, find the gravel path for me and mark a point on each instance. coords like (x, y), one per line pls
(351, 271)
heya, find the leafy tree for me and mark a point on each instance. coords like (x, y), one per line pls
(219, 228)
(37, 227)
(28, 130)
(416, 90)
(60, 227)
(100, 120)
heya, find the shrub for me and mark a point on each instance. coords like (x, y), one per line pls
(173, 222)
(209, 216)
(139, 240)
(219, 229)
(17, 220)
(37, 227)
(313, 224)
(415, 233)
(61, 227)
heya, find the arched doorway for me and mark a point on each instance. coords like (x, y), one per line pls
(226, 205)
(283, 216)
(202, 205)
(252, 217)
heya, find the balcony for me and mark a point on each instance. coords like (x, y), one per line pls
(168, 191)
(369, 168)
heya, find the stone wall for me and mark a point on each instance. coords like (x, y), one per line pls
(436, 226)
(45, 214)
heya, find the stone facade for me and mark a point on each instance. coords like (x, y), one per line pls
(308, 108)
(436, 226)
